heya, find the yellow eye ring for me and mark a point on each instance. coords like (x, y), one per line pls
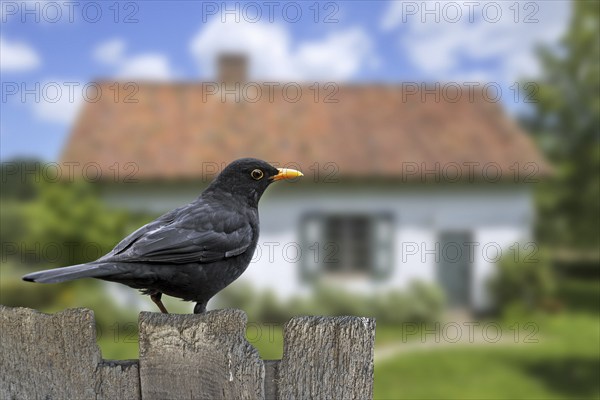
(257, 174)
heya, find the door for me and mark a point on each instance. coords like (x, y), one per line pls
(454, 268)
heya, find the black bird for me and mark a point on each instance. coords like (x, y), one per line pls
(193, 251)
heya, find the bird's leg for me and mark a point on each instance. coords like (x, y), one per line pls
(200, 308)
(156, 299)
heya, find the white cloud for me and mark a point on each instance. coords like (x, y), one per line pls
(147, 66)
(17, 56)
(393, 15)
(340, 55)
(60, 100)
(502, 50)
(110, 52)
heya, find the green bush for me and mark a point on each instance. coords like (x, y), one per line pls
(65, 223)
(581, 295)
(524, 280)
(419, 303)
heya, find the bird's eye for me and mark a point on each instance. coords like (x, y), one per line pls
(256, 174)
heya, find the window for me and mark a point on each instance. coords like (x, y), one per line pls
(347, 244)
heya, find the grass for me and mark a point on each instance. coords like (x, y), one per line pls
(267, 339)
(119, 341)
(564, 364)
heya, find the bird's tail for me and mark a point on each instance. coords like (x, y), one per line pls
(67, 273)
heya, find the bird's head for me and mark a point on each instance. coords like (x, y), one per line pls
(248, 178)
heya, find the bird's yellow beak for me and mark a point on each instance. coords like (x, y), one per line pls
(287, 173)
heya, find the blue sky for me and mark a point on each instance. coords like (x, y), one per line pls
(390, 42)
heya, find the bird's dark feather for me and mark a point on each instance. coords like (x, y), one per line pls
(174, 240)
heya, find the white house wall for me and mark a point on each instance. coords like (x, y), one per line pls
(495, 218)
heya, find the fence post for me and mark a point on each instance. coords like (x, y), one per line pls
(327, 358)
(184, 356)
(198, 357)
(56, 357)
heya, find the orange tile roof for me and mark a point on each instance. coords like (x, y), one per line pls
(184, 130)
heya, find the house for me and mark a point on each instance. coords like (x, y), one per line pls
(402, 182)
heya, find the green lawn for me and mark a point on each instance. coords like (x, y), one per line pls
(267, 338)
(564, 364)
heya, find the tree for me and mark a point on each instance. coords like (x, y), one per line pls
(566, 123)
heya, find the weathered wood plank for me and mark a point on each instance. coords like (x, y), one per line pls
(327, 358)
(119, 380)
(271, 374)
(56, 357)
(202, 356)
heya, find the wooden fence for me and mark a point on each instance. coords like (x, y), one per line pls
(183, 357)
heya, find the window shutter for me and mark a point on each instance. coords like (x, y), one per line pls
(383, 246)
(312, 229)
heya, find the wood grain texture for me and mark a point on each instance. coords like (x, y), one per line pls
(56, 357)
(327, 358)
(202, 356)
(120, 380)
(271, 375)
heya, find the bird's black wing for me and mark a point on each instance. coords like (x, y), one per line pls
(202, 235)
(161, 221)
